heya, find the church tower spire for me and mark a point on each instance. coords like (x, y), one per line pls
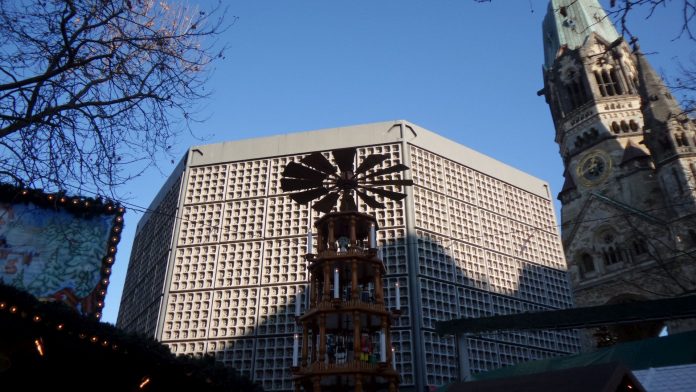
(629, 156)
(671, 137)
(568, 24)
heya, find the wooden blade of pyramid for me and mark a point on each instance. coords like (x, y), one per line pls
(294, 169)
(318, 161)
(307, 196)
(297, 184)
(369, 200)
(392, 169)
(388, 194)
(389, 182)
(348, 202)
(344, 158)
(371, 161)
(327, 203)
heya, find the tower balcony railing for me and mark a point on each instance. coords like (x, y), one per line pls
(351, 366)
(353, 304)
(349, 252)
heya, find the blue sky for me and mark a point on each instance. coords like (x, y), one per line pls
(465, 70)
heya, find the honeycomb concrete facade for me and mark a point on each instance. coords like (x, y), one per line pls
(220, 263)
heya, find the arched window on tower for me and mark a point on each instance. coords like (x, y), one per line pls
(639, 248)
(612, 252)
(615, 127)
(608, 83)
(633, 125)
(586, 264)
(624, 126)
(576, 93)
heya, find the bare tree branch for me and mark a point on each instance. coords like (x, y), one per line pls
(90, 88)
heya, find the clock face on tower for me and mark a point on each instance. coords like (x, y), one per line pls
(593, 168)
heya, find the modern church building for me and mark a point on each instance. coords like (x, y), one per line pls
(217, 265)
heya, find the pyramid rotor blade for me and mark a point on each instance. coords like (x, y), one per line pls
(392, 169)
(389, 182)
(348, 202)
(344, 158)
(307, 196)
(294, 169)
(371, 161)
(327, 203)
(317, 160)
(388, 194)
(369, 200)
(298, 184)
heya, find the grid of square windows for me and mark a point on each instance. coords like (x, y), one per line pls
(434, 257)
(438, 301)
(243, 220)
(206, 184)
(239, 264)
(238, 353)
(461, 182)
(393, 252)
(431, 210)
(247, 179)
(464, 221)
(234, 312)
(187, 316)
(442, 362)
(200, 224)
(427, 169)
(470, 264)
(194, 268)
(503, 273)
(187, 348)
(403, 352)
(271, 366)
(277, 309)
(284, 217)
(284, 261)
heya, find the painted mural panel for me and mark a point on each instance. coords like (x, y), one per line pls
(58, 248)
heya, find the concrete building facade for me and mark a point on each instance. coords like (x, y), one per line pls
(629, 150)
(217, 265)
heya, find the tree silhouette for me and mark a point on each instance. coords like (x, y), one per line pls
(88, 88)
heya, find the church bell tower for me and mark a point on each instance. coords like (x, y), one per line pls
(629, 154)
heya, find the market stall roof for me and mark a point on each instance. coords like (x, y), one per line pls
(608, 377)
(587, 317)
(678, 349)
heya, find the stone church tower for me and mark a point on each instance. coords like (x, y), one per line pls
(629, 152)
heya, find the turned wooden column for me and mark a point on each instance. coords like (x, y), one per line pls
(305, 343)
(379, 294)
(332, 236)
(353, 235)
(322, 338)
(356, 336)
(358, 383)
(354, 295)
(314, 343)
(321, 245)
(327, 282)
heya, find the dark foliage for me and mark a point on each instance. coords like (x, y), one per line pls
(81, 354)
